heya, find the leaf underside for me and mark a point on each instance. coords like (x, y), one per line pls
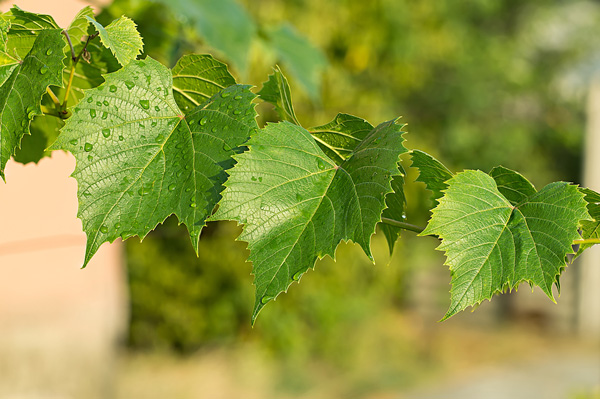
(139, 159)
(297, 205)
(590, 229)
(492, 245)
(431, 172)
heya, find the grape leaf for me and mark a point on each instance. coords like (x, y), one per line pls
(78, 28)
(305, 62)
(197, 77)
(24, 29)
(339, 138)
(7, 61)
(297, 204)
(512, 185)
(21, 93)
(140, 160)
(223, 24)
(492, 245)
(590, 228)
(44, 130)
(396, 203)
(121, 37)
(431, 172)
(276, 91)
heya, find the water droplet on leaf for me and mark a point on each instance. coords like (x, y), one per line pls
(238, 97)
(44, 70)
(49, 51)
(172, 187)
(297, 276)
(105, 103)
(265, 299)
(145, 104)
(225, 95)
(88, 147)
(203, 121)
(121, 138)
(90, 99)
(237, 112)
(106, 132)
(93, 113)
(112, 88)
(320, 164)
(104, 229)
(73, 142)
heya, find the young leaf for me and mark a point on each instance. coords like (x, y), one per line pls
(339, 138)
(121, 37)
(21, 93)
(297, 205)
(197, 77)
(7, 61)
(431, 172)
(305, 62)
(276, 91)
(78, 28)
(140, 160)
(492, 245)
(590, 228)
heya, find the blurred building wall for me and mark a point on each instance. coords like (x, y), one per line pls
(59, 324)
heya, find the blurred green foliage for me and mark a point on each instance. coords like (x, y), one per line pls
(479, 82)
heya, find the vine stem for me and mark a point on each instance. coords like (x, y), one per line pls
(402, 225)
(587, 241)
(74, 60)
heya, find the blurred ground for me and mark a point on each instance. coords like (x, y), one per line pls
(462, 363)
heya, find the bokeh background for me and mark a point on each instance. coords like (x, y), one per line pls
(480, 83)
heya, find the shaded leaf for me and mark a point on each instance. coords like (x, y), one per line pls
(140, 160)
(24, 29)
(121, 37)
(339, 138)
(590, 229)
(276, 91)
(431, 172)
(297, 205)
(512, 185)
(21, 93)
(492, 246)
(396, 203)
(44, 130)
(197, 77)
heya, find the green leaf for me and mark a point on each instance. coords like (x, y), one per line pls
(223, 24)
(276, 91)
(21, 93)
(492, 245)
(396, 203)
(44, 130)
(121, 37)
(140, 160)
(24, 29)
(431, 172)
(512, 185)
(78, 29)
(339, 138)
(590, 229)
(7, 61)
(197, 77)
(297, 204)
(305, 62)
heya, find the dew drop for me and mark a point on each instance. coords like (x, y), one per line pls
(297, 276)
(159, 138)
(129, 84)
(265, 299)
(105, 103)
(112, 88)
(158, 88)
(24, 123)
(238, 97)
(88, 147)
(226, 147)
(93, 113)
(157, 108)
(172, 187)
(225, 95)
(117, 226)
(253, 178)
(260, 179)
(145, 104)
(30, 112)
(106, 132)
(44, 70)
(90, 99)
(90, 158)
(193, 205)
(214, 130)
(121, 138)
(187, 190)
(237, 112)
(153, 124)
(203, 121)
(73, 142)
(49, 51)
(320, 164)
(298, 197)
(98, 103)
(104, 115)
(104, 229)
